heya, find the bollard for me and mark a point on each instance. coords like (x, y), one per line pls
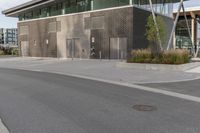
(122, 55)
(100, 55)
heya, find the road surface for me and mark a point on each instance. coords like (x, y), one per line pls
(38, 102)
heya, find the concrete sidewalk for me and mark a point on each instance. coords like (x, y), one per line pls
(104, 69)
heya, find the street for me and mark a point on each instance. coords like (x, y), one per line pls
(40, 102)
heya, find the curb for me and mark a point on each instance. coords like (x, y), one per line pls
(158, 67)
(3, 128)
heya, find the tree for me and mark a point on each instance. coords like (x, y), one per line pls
(151, 32)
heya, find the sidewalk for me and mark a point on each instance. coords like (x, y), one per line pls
(105, 69)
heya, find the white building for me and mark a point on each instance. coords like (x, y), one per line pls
(8, 36)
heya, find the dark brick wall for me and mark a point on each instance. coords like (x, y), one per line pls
(118, 23)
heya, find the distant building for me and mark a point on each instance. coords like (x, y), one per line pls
(183, 38)
(8, 36)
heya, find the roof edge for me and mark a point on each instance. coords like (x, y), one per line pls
(25, 5)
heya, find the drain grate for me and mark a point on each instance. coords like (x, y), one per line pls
(144, 108)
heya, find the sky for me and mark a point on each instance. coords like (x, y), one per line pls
(6, 22)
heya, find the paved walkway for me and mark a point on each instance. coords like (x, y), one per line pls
(194, 70)
(104, 69)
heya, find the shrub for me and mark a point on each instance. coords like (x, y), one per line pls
(141, 55)
(1, 52)
(15, 51)
(175, 57)
(166, 57)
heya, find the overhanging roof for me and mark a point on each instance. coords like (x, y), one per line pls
(190, 9)
(26, 6)
(13, 12)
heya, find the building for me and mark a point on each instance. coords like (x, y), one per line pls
(8, 36)
(187, 36)
(107, 29)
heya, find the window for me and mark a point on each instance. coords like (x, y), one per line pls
(44, 12)
(100, 4)
(56, 9)
(28, 15)
(36, 13)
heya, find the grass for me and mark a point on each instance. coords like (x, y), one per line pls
(178, 56)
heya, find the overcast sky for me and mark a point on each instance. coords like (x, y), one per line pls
(6, 22)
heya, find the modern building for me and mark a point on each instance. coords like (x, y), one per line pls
(186, 38)
(107, 29)
(8, 36)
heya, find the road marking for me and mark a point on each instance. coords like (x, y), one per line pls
(3, 129)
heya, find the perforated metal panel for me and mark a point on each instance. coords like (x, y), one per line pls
(23, 30)
(97, 22)
(117, 24)
(58, 26)
(87, 23)
(52, 27)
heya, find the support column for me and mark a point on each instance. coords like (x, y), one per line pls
(92, 5)
(130, 2)
(190, 35)
(63, 8)
(193, 30)
(192, 26)
(174, 41)
(174, 26)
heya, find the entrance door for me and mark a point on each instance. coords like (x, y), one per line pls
(73, 48)
(24, 48)
(118, 48)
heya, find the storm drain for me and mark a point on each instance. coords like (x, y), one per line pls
(144, 108)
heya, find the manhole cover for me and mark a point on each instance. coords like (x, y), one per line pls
(144, 108)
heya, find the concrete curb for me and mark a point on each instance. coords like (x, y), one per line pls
(158, 67)
(3, 128)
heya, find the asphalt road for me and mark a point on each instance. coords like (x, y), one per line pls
(36, 102)
(188, 87)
